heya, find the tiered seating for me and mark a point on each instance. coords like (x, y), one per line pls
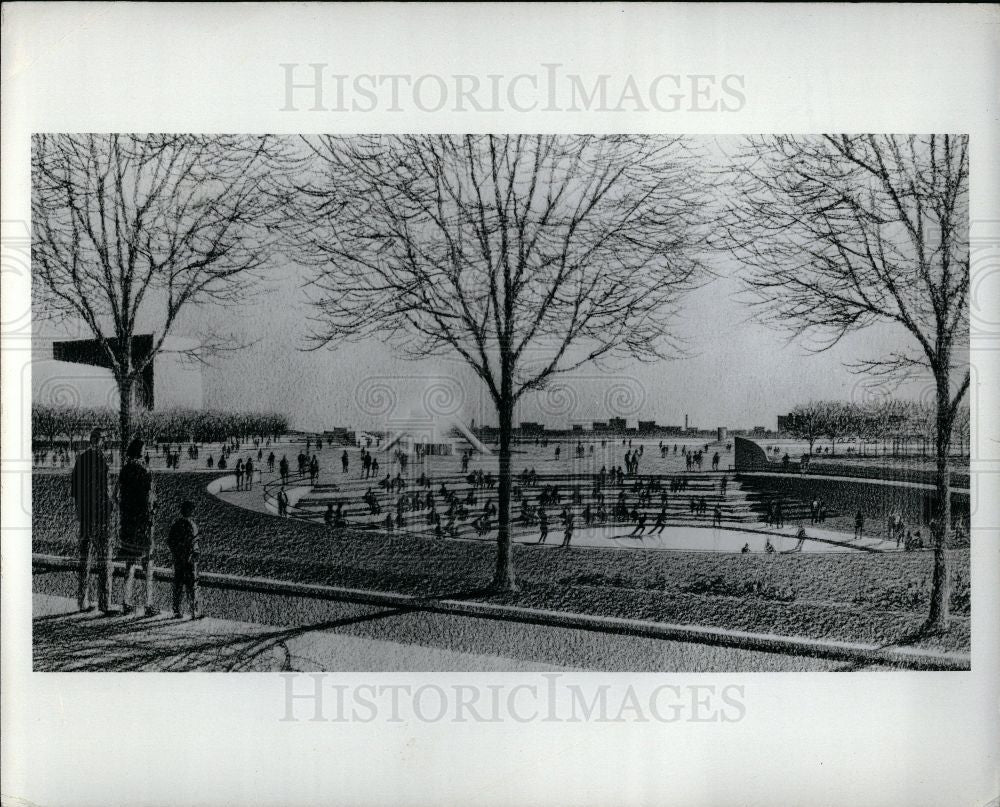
(738, 505)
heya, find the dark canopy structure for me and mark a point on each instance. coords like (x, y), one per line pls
(89, 351)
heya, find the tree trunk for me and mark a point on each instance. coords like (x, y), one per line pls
(941, 588)
(503, 579)
(124, 416)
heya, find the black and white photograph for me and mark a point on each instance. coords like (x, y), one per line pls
(665, 403)
(499, 404)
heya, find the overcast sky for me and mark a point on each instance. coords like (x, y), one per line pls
(738, 373)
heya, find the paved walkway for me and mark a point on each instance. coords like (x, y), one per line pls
(250, 631)
(294, 630)
(67, 641)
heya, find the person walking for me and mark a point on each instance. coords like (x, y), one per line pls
(859, 524)
(717, 515)
(344, 461)
(543, 525)
(282, 502)
(283, 470)
(239, 474)
(248, 470)
(138, 504)
(89, 486)
(568, 519)
(183, 543)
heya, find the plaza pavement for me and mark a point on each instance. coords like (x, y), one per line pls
(297, 630)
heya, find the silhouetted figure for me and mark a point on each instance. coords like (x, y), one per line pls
(182, 540)
(568, 520)
(89, 485)
(138, 503)
(543, 525)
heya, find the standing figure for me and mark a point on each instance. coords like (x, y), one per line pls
(183, 543)
(138, 504)
(717, 515)
(543, 525)
(89, 485)
(567, 518)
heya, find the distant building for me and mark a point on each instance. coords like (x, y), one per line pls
(599, 426)
(758, 431)
(647, 427)
(786, 423)
(617, 425)
(528, 427)
(577, 427)
(721, 434)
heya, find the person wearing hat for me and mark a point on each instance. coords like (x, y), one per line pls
(89, 484)
(138, 504)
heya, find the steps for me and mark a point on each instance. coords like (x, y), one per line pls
(738, 506)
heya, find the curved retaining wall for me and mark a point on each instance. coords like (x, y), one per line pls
(843, 496)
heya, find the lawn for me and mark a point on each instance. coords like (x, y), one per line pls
(846, 596)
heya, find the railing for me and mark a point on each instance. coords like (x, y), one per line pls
(297, 480)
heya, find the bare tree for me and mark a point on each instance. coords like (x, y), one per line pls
(844, 232)
(526, 256)
(806, 422)
(129, 230)
(963, 430)
(835, 421)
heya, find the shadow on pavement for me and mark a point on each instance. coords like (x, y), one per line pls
(85, 643)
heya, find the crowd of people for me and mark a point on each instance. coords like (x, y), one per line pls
(618, 494)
